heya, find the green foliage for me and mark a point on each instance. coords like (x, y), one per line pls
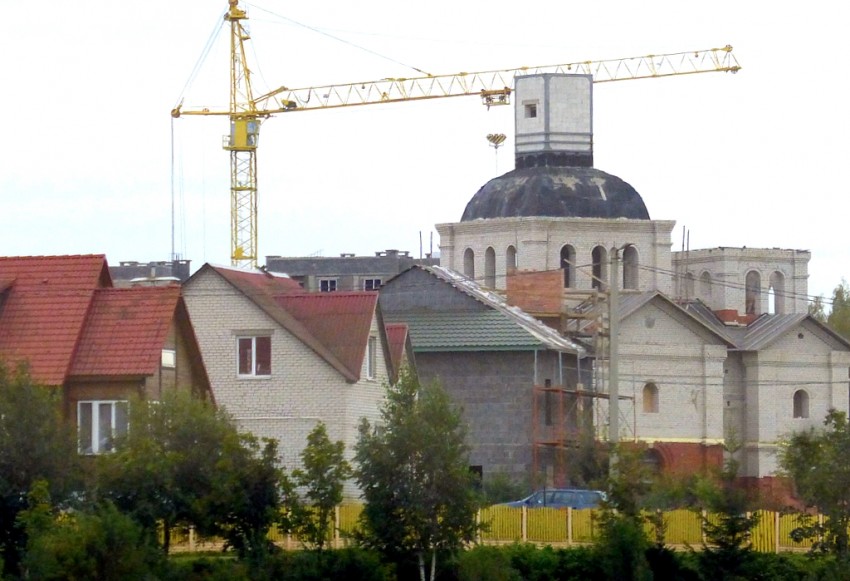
(486, 564)
(324, 473)
(502, 488)
(727, 553)
(413, 471)
(588, 461)
(839, 315)
(355, 564)
(184, 462)
(104, 544)
(816, 460)
(817, 310)
(35, 444)
(623, 541)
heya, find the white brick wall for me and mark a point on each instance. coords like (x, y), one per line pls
(303, 388)
(538, 242)
(660, 346)
(728, 268)
(804, 358)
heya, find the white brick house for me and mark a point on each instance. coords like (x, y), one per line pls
(281, 360)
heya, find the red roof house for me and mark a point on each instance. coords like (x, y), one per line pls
(60, 316)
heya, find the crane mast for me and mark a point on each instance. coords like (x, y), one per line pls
(493, 87)
(242, 144)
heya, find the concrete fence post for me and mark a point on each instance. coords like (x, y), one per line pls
(524, 524)
(336, 527)
(776, 529)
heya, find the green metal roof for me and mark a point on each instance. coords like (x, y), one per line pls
(471, 331)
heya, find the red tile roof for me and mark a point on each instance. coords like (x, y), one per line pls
(334, 325)
(263, 282)
(46, 302)
(126, 331)
(260, 287)
(340, 320)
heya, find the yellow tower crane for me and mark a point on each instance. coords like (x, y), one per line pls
(246, 112)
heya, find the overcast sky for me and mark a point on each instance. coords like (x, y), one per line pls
(755, 159)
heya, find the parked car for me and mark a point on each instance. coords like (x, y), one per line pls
(561, 498)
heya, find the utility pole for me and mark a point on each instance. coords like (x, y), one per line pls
(613, 359)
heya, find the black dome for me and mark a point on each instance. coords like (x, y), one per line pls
(560, 192)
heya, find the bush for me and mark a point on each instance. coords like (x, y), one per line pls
(218, 568)
(348, 564)
(484, 563)
(104, 545)
(527, 562)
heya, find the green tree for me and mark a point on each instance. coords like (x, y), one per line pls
(727, 522)
(414, 474)
(817, 310)
(184, 462)
(623, 540)
(324, 472)
(101, 544)
(839, 315)
(36, 443)
(816, 460)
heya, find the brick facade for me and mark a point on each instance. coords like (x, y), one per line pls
(302, 389)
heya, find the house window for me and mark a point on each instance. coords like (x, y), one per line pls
(169, 358)
(530, 110)
(99, 423)
(254, 356)
(372, 358)
(327, 285)
(650, 398)
(801, 404)
(371, 284)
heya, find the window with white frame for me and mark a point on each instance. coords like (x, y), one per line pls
(327, 285)
(99, 423)
(254, 356)
(169, 358)
(371, 284)
(372, 357)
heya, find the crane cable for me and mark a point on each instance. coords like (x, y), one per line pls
(192, 76)
(342, 40)
(202, 58)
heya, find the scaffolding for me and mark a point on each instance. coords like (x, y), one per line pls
(568, 415)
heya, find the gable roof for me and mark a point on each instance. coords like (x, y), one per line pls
(125, 331)
(46, 302)
(500, 327)
(340, 320)
(341, 344)
(762, 331)
(631, 302)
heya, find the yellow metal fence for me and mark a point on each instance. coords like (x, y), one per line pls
(560, 527)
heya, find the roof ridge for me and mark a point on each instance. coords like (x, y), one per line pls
(267, 302)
